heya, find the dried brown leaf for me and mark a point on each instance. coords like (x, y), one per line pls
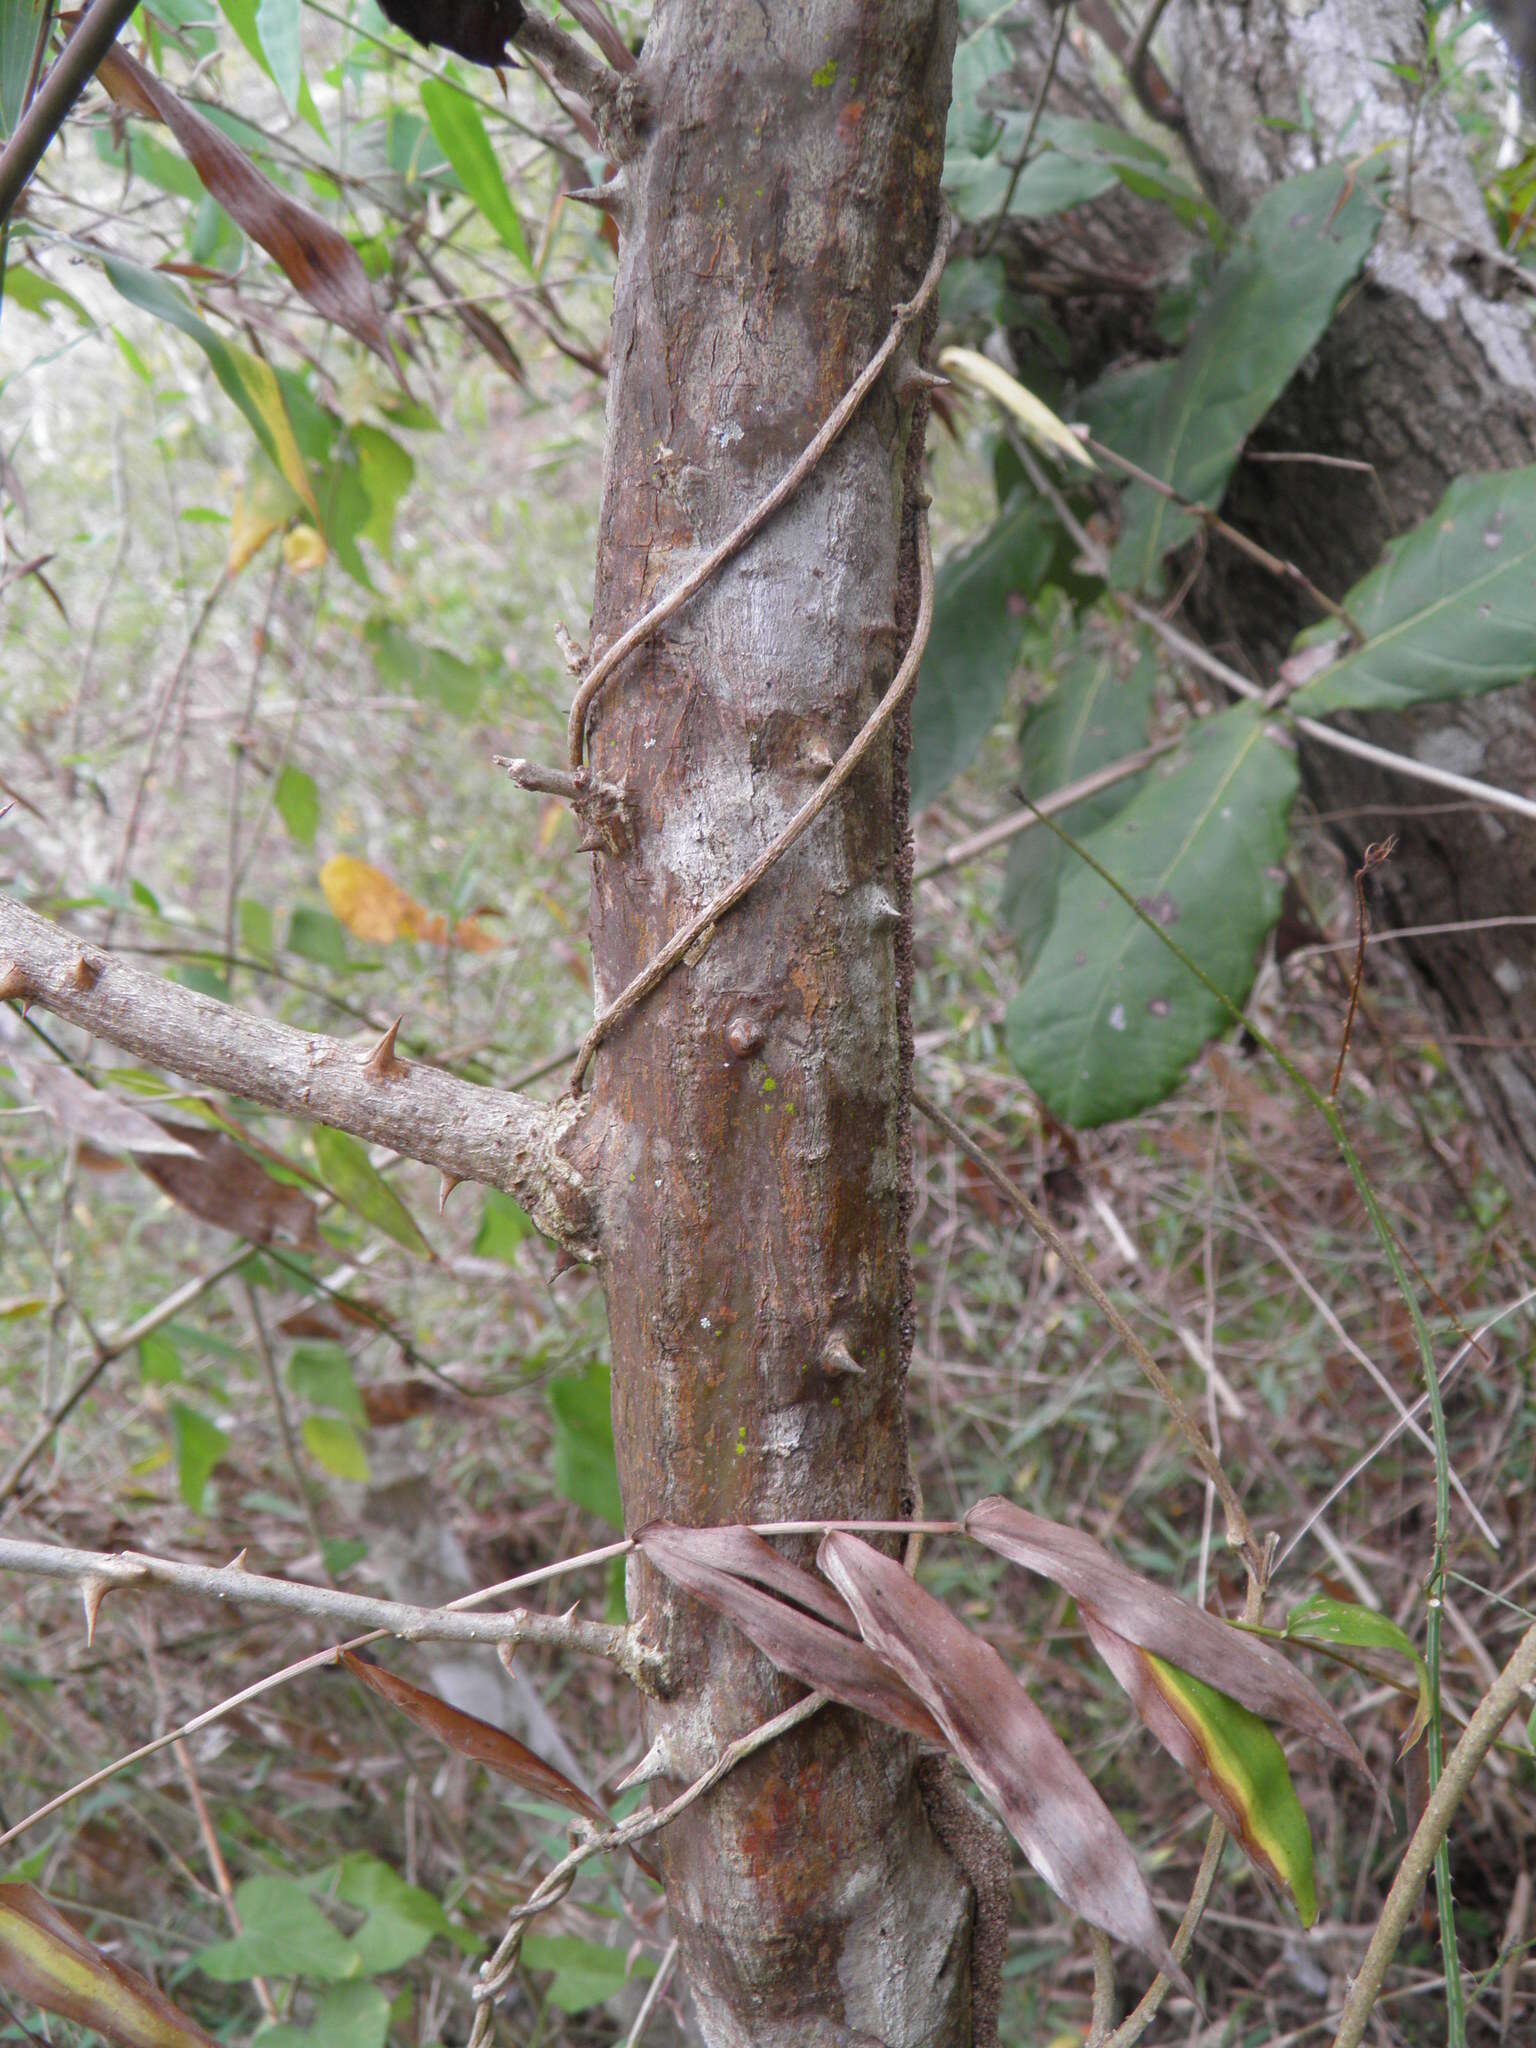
(1064, 1828)
(1155, 1619)
(91, 1113)
(816, 1651)
(317, 261)
(45, 1961)
(222, 1184)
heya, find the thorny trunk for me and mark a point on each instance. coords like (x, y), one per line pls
(1428, 372)
(752, 1115)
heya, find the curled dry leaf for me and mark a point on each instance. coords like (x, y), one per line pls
(807, 1640)
(1064, 1828)
(1232, 1759)
(1155, 1619)
(477, 29)
(44, 1960)
(91, 1113)
(214, 1179)
(317, 261)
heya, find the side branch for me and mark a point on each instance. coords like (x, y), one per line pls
(467, 1132)
(99, 1572)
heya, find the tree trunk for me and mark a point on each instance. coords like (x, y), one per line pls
(1427, 373)
(751, 1116)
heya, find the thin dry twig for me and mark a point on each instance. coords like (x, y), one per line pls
(641, 631)
(1016, 168)
(695, 931)
(1376, 855)
(1059, 800)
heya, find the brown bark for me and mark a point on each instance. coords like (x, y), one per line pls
(1427, 373)
(750, 1117)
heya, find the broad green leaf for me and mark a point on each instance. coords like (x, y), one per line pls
(46, 1962)
(316, 935)
(978, 625)
(257, 929)
(1097, 715)
(586, 1973)
(21, 23)
(402, 1919)
(1323, 1619)
(352, 1177)
(1124, 408)
(384, 472)
(585, 1472)
(322, 1375)
(284, 1934)
(1449, 611)
(200, 1447)
(247, 381)
(159, 1359)
(277, 26)
(298, 803)
(503, 1226)
(1109, 1017)
(1273, 297)
(432, 673)
(335, 1445)
(982, 64)
(351, 2016)
(461, 136)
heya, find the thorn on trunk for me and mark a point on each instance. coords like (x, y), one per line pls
(382, 1063)
(449, 1182)
(85, 972)
(572, 652)
(884, 912)
(14, 985)
(838, 1362)
(656, 1763)
(237, 1562)
(564, 1261)
(611, 197)
(93, 1591)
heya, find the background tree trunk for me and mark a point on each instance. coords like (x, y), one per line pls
(1427, 373)
(783, 199)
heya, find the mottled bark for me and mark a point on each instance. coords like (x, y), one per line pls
(1427, 373)
(782, 198)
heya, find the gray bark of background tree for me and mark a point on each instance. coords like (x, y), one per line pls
(1427, 373)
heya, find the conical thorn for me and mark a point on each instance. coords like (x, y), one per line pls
(84, 973)
(610, 197)
(93, 1591)
(449, 1182)
(838, 1361)
(382, 1063)
(656, 1763)
(14, 985)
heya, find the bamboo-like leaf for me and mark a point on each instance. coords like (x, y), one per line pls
(1109, 1018)
(21, 23)
(1040, 424)
(461, 136)
(92, 1113)
(791, 1637)
(317, 261)
(1005, 1742)
(44, 1960)
(478, 1741)
(353, 1179)
(1449, 611)
(1325, 1620)
(1232, 1758)
(1155, 1619)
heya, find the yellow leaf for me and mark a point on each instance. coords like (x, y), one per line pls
(250, 528)
(373, 907)
(266, 394)
(303, 549)
(1041, 425)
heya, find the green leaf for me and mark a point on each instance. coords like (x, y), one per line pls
(257, 933)
(432, 673)
(322, 1375)
(978, 626)
(1097, 715)
(402, 1918)
(298, 804)
(1272, 299)
(586, 1973)
(284, 1934)
(21, 23)
(159, 1359)
(316, 935)
(1323, 1619)
(1242, 1755)
(461, 136)
(340, 1553)
(1449, 611)
(503, 1226)
(35, 293)
(277, 27)
(335, 1445)
(47, 1962)
(200, 1447)
(242, 18)
(1109, 1018)
(352, 1177)
(585, 1472)
(351, 2016)
(384, 470)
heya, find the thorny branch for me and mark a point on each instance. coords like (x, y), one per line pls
(636, 635)
(697, 931)
(468, 1132)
